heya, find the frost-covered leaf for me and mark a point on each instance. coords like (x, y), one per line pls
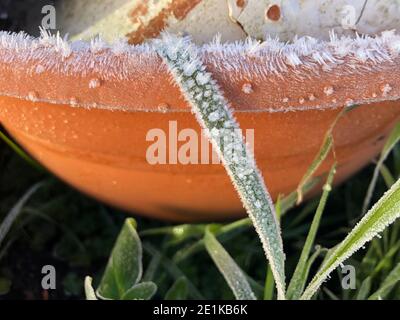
(124, 268)
(380, 216)
(214, 115)
(140, 291)
(232, 273)
(299, 279)
(391, 142)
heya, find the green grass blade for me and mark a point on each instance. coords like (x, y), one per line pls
(269, 285)
(364, 290)
(178, 291)
(387, 176)
(321, 156)
(16, 210)
(296, 284)
(391, 142)
(215, 117)
(326, 147)
(233, 275)
(390, 281)
(381, 215)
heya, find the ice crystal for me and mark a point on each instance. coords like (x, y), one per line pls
(299, 59)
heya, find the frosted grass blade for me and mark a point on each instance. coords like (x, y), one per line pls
(298, 280)
(233, 275)
(215, 117)
(381, 215)
(391, 142)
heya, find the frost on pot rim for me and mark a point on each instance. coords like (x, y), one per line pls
(84, 109)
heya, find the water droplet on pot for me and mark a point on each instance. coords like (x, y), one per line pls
(247, 88)
(40, 69)
(73, 101)
(386, 88)
(163, 107)
(311, 97)
(33, 96)
(285, 100)
(328, 90)
(349, 102)
(301, 100)
(94, 83)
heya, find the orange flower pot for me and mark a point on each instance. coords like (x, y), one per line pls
(84, 112)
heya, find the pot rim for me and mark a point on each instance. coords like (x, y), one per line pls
(269, 76)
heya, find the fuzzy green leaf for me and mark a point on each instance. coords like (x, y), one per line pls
(124, 268)
(140, 291)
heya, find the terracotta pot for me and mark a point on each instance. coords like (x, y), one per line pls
(84, 112)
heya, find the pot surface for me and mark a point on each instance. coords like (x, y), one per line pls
(103, 153)
(97, 116)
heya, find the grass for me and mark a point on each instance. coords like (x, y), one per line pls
(61, 227)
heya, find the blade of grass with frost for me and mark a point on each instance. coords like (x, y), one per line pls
(233, 275)
(326, 147)
(214, 115)
(390, 281)
(391, 142)
(15, 211)
(299, 279)
(380, 216)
